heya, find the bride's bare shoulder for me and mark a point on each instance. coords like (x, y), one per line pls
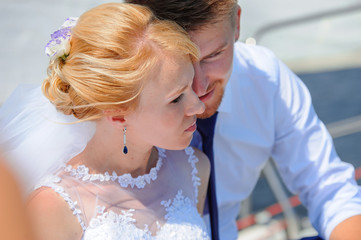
(203, 164)
(204, 167)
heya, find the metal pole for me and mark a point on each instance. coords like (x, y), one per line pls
(279, 192)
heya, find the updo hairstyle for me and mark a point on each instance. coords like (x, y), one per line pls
(114, 48)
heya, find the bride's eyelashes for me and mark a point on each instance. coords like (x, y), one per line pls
(178, 98)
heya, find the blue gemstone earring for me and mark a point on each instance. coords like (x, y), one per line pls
(125, 149)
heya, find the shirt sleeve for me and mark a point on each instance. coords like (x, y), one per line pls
(306, 158)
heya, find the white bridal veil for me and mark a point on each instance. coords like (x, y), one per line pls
(35, 138)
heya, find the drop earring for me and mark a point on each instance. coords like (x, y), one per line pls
(125, 149)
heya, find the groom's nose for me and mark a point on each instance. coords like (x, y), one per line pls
(200, 81)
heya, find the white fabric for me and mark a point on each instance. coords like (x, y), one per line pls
(267, 112)
(35, 137)
(38, 140)
(108, 207)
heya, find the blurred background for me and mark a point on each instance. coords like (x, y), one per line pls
(320, 40)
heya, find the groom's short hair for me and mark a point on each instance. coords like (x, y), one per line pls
(191, 14)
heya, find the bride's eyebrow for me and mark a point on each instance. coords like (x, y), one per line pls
(175, 93)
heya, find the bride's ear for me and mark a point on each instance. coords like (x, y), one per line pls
(115, 118)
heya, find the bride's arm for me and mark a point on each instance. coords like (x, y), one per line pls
(51, 216)
(203, 166)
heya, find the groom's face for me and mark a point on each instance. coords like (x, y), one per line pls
(214, 68)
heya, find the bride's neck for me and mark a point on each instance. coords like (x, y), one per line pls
(104, 153)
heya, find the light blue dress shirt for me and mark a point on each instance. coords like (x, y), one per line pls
(267, 112)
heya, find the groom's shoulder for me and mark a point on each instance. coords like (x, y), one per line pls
(254, 56)
(256, 62)
(252, 52)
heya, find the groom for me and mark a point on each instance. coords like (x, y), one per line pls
(261, 109)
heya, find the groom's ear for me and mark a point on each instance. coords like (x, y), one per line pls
(116, 118)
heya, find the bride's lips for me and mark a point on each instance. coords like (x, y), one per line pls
(192, 128)
(207, 96)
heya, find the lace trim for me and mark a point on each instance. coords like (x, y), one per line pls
(196, 180)
(51, 182)
(176, 205)
(124, 218)
(82, 173)
(182, 216)
(182, 222)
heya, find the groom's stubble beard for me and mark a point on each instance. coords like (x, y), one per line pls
(213, 103)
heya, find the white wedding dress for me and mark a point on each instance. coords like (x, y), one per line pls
(158, 205)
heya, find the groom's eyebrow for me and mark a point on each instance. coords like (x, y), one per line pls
(219, 48)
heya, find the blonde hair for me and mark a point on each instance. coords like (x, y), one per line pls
(114, 47)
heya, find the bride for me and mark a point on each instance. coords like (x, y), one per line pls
(121, 81)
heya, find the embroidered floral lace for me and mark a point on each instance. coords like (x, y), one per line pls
(157, 205)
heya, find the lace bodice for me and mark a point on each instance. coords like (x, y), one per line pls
(158, 205)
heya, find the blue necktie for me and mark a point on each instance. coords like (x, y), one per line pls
(206, 129)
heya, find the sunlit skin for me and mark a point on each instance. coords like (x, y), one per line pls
(214, 68)
(168, 106)
(164, 117)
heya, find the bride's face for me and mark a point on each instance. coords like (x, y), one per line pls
(166, 114)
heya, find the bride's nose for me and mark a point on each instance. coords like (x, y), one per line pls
(196, 106)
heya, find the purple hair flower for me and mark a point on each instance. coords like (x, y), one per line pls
(59, 44)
